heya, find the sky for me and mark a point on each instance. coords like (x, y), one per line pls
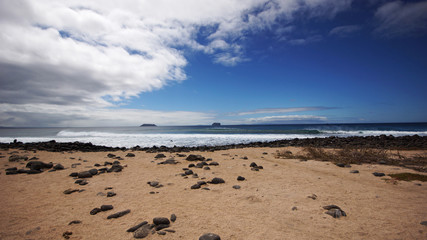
(194, 62)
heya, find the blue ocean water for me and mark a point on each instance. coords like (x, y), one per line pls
(205, 135)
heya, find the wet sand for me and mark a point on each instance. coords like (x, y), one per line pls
(35, 207)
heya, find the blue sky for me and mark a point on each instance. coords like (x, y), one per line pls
(258, 62)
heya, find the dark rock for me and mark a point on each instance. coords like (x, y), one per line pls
(142, 232)
(236, 187)
(67, 234)
(17, 158)
(160, 155)
(354, 171)
(161, 220)
(58, 167)
(240, 178)
(312, 196)
(134, 228)
(191, 165)
(340, 164)
(153, 183)
(169, 230)
(195, 186)
(173, 217)
(11, 169)
(74, 174)
(84, 174)
(188, 172)
(69, 191)
(75, 222)
(111, 194)
(377, 174)
(213, 164)
(161, 226)
(294, 208)
(253, 164)
(11, 173)
(22, 171)
(130, 155)
(106, 207)
(93, 171)
(169, 161)
(119, 214)
(83, 182)
(161, 233)
(209, 236)
(193, 157)
(255, 169)
(38, 165)
(110, 155)
(207, 168)
(335, 211)
(97, 165)
(33, 171)
(217, 180)
(423, 223)
(95, 211)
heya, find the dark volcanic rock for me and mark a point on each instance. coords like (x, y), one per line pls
(142, 232)
(160, 155)
(93, 171)
(209, 236)
(236, 187)
(354, 171)
(33, 171)
(253, 164)
(213, 164)
(153, 183)
(193, 157)
(38, 165)
(17, 158)
(69, 191)
(130, 155)
(161, 220)
(74, 174)
(106, 207)
(217, 180)
(377, 174)
(84, 174)
(134, 228)
(169, 161)
(119, 214)
(75, 222)
(58, 167)
(340, 164)
(161, 233)
(161, 226)
(173, 217)
(11, 169)
(335, 211)
(188, 172)
(95, 211)
(195, 186)
(423, 223)
(111, 194)
(240, 178)
(110, 155)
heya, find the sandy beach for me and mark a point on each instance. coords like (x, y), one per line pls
(283, 200)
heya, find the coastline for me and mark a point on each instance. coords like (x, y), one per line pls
(282, 200)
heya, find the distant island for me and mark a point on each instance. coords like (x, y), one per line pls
(216, 124)
(148, 125)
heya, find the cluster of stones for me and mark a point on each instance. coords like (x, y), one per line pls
(160, 226)
(34, 167)
(255, 167)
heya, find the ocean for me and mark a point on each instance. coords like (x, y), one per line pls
(204, 135)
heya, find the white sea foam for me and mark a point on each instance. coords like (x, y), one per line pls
(114, 139)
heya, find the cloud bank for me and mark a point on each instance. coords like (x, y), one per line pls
(79, 59)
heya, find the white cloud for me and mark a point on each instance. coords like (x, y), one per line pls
(48, 115)
(399, 18)
(98, 54)
(287, 119)
(344, 31)
(280, 110)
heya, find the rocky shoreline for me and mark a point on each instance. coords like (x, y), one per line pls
(380, 142)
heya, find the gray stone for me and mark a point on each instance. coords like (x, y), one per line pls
(142, 232)
(106, 207)
(84, 174)
(354, 171)
(119, 214)
(173, 217)
(134, 228)
(236, 187)
(377, 174)
(217, 180)
(209, 236)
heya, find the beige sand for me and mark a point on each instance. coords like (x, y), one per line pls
(34, 206)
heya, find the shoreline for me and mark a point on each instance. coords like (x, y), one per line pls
(413, 142)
